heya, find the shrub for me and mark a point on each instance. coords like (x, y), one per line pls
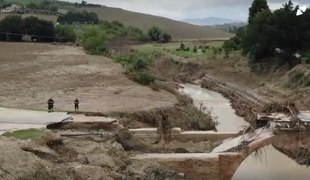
(182, 46)
(143, 77)
(186, 49)
(166, 37)
(94, 41)
(203, 50)
(155, 33)
(230, 45)
(195, 49)
(65, 33)
(140, 65)
(13, 25)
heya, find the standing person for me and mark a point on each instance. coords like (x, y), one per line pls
(76, 105)
(50, 105)
(163, 127)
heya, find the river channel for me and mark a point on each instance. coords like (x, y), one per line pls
(272, 165)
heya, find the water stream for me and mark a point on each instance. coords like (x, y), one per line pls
(272, 165)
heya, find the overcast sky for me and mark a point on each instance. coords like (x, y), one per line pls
(181, 9)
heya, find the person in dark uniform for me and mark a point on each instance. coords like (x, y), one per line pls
(76, 105)
(163, 127)
(50, 105)
(165, 123)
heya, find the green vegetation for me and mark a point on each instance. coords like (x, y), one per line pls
(78, 17)
(156, 34)
(65, 33)
(33, 134)
(94, 41)
(273, 36)
(136, 66)
(187, 51)
(13, 28)
(205, 49)
(43, 5)
(26, 1)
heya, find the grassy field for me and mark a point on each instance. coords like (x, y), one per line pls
(33, 134)
(43, 16)
(170, 49)
(178, 30)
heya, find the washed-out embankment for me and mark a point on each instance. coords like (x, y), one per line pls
(247, 104)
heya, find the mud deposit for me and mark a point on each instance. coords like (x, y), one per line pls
(282, 160)
(81, 158)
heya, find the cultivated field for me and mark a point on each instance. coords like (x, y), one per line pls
(178, 30)
(43, 16)
(31, 73)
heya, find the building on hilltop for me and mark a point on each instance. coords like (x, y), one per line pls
(11, 8)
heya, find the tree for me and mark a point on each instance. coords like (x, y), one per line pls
(94, 41)
(258, 40)
(289, 34)
(229, 45)
(40, 29)
(11, 29)
(155, 33)
(80, 17)
(54, 8)
(166, 37)
(65, 33)
(32, 5)
(257, 6)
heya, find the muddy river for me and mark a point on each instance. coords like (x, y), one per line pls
(272, 165)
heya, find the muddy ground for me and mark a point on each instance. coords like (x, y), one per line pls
(250, 89)
(40, 71)
(265, 90)
(31, 73)
(81, 158)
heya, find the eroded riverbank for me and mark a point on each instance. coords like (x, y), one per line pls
(268, 162)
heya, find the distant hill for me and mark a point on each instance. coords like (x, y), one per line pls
(178, 30)
(229, 27)
(211, 21)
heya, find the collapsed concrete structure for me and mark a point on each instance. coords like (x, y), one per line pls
(220, 164)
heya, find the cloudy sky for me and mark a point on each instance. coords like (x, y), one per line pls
(181, 9)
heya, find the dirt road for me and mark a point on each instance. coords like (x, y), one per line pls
(31, 73)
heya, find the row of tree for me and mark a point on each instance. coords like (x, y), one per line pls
(14, 28)
(268, 30)
(78, 17)
(85, 4)
(43, 5)
(115, 28)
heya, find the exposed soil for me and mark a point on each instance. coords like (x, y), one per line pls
(31, 73)
(184, 115)
(88, 157)
(267, 92)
